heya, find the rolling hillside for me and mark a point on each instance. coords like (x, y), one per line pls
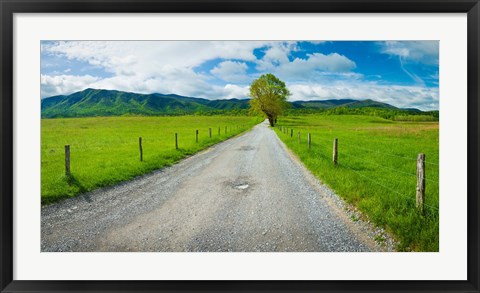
(93, 102)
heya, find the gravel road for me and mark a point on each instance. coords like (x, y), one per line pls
(245, 194)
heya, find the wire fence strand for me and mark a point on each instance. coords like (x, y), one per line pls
(391, 169)
(387, 154)
(387, 188)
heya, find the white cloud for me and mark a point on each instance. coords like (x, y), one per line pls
(316, 66)
(64, 84)
(231, 71)
(230, 91)
(277, 60)
(276, 53)
(423, 98)
(148, 57)
(413, 51)
(318, 42)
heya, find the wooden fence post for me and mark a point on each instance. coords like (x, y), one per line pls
(210, 132)
(176, 141)
(299, 137)
(291, 132)
(420, 181)
(67, 160)
(141, 149)
(309, 140)
(196, 135)
(335, 151)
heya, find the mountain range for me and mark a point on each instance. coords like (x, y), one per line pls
(96, 102)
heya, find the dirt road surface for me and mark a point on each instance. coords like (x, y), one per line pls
(245, 194)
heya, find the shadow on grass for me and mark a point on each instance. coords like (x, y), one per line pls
(73, 181)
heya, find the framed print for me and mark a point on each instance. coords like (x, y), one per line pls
(234, 145)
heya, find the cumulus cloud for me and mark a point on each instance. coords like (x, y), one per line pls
(314, 65)
(147, 57)
(231, 71)
(64, 84)
(230, 91)
(276, 53)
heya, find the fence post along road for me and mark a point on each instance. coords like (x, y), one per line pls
(67, 160)
(141, 148)
(420, 182)
(335, 151)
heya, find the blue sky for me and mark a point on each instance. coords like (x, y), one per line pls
(402, 73)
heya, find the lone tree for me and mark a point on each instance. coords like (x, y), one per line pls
(269, 96)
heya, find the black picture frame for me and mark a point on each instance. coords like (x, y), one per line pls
(9, 7)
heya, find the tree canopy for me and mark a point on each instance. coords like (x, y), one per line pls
(269, 96)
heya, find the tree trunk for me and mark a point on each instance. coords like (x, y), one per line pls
(271, 121)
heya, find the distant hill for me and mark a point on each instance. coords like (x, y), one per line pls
(347, 103)
(369, 104)
(321, 104)
(95, 102)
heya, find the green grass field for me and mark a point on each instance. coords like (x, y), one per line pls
(376, 169)
(105, 150)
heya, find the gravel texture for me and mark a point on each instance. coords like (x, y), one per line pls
(248, 193)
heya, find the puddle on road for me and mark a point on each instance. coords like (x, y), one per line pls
(241, 186)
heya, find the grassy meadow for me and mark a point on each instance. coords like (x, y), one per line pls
(105, 150)
(376, 169)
